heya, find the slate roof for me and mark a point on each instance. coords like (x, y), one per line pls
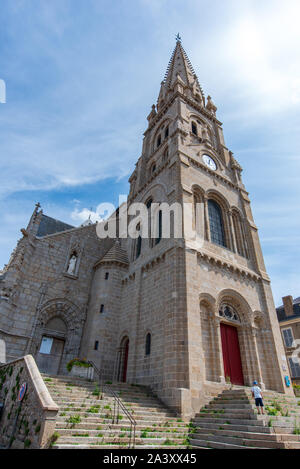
(50, 226)
(281, 312)
(115, 254)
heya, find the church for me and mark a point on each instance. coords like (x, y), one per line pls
(183, 315)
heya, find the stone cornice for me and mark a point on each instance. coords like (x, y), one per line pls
(225, 263)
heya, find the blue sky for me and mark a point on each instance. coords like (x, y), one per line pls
(81, 76)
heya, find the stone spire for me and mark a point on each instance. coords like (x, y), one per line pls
(180, 65)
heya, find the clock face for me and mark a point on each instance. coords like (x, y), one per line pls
(209, 162)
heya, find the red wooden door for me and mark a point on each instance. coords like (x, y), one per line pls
(125, 362)
(231, 354)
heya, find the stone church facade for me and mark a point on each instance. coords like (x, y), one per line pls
(181, 315)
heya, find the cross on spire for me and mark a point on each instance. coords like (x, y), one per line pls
(178, 38)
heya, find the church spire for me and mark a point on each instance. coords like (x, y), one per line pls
(180, 65)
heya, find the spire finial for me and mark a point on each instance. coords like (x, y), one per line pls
(178, 38)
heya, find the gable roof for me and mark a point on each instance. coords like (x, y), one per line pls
(50, 226)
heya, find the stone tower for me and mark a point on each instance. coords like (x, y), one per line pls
(183, 314)
(205, 297)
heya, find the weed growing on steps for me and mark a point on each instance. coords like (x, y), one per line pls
(296, 430)
(74, 419)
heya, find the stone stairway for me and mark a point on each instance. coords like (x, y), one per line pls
(231, 421)
(85, 422)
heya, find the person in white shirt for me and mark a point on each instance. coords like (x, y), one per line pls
(257, 394)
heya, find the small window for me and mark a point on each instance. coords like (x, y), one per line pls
(102, 309)
(148, 344)
(106, 275)
(288, 337)
(138, 247)
(167, 132)
(158, 239)
(46, 345)
(153, 168)
(294, 368)
(194, 128)
(158, 141)
(96, 346)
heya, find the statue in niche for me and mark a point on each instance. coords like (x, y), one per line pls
(72, 264)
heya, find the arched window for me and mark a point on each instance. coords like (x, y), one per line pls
(138, 246)
(148, 344)
(194, 128)
(96, 346)
(228, 312)
(158, 239)
(153, 168)
(217, 234)
(158, 141)
(167, 132)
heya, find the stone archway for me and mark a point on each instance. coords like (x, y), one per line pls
(122, 360)
(60, 324)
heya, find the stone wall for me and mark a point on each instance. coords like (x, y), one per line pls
(31, 424)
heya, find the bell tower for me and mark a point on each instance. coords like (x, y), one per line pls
(222, 307)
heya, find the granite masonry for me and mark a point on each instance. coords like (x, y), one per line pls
(182, 315)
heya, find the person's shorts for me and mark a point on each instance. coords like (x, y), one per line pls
(259, 402)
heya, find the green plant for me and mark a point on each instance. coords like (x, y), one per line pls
(37, 428)
(27, 443)
(77, 362)
(53, 438)
(296, 430)
(74, 419)
(270, 423)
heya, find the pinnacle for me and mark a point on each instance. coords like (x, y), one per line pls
(180, 64)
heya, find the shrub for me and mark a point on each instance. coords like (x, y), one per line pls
(77, 362)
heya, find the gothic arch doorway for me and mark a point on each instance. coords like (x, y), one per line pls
(50, 352)
(123, 360)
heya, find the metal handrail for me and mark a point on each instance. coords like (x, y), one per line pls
(117, 405)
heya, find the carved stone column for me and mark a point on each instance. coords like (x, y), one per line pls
(231, 230)
(219, 354)
(259, 373)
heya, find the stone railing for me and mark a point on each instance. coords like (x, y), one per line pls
(31, 423)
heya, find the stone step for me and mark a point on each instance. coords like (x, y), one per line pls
(240, 428)
(114, 446)
(115, 433)
(87, 392)
(75, 402)
(241, 414)
(243, 428)
(223, 421)
(99, 420)
(126, 426)
(138, 441)
(236, 441)
(218, 445)
(103, 412)
(235, 433)
(133, 408)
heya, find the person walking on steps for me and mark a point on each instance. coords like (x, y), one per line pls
(257, 394)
